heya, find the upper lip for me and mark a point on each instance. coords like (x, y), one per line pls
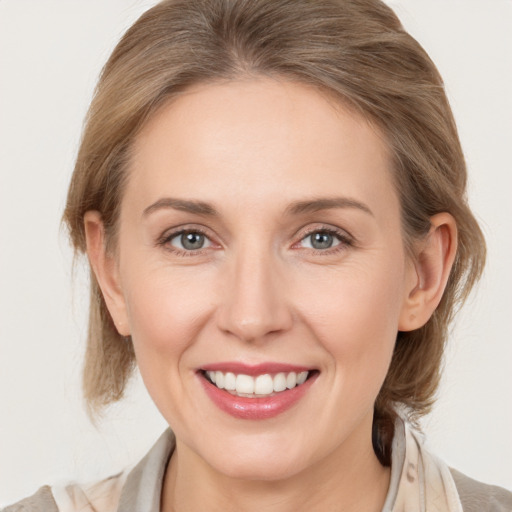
(254, 369)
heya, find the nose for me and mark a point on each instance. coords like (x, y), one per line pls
(254, 304)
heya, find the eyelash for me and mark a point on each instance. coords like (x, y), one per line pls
(342, 236)
(165, 240)
(344, 239)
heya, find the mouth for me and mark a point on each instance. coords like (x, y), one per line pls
(259, 386)
(259, 392)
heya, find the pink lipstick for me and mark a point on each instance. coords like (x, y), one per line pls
(256, 392)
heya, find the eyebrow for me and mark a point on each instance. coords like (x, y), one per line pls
(316, 205)
(197, 207)
(295, 208)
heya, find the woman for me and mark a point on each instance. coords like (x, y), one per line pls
(271, 195)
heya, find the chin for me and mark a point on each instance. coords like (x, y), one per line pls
(259, 460)
(259, 470)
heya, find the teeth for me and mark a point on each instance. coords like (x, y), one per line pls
(291, 380)
(230, 381)
(279, 382)
(219, 380)
(244, 384)
(262, 385)
(301, 378)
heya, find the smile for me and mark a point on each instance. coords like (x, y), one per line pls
(258, 386)
(256, 392)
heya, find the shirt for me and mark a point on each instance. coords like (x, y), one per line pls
(419, 482)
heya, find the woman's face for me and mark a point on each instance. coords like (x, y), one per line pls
(260, 238)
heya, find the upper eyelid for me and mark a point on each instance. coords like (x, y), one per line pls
(305, 231)
(173, 232)
(164, 241)
(300, 234)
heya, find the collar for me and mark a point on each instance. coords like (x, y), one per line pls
(142, 489)
(411, 468)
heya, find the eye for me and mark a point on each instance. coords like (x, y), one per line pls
(320, 240)
(189, 241)
(325, 239)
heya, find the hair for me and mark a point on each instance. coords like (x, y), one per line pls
(356, 50)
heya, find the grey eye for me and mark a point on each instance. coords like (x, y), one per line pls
(190, 241)
(320, 240)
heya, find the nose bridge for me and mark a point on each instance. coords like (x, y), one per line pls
(254, 302)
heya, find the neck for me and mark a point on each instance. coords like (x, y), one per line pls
(348, 480)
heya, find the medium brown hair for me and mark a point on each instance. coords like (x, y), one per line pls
(354, 49)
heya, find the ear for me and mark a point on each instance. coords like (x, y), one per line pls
(105, 268)
(434, 257)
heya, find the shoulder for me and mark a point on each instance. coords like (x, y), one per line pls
(41, 501)
(479, 497)
(124, 491)
(100, 496)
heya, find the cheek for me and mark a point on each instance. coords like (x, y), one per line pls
(166, 310)
(354, 313)
(166, 315)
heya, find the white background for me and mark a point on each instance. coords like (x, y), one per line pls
(50, 55)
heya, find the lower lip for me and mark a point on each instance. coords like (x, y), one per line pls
(255, 408)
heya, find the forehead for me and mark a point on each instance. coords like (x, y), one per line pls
(257, 138)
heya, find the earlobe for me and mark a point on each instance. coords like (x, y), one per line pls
(105, 269)
(433, 262)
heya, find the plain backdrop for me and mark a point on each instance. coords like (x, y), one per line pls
(51, 52)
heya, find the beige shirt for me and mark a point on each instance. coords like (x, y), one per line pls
(419, 483)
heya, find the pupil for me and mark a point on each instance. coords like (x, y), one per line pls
(192, 241)
(321, 240)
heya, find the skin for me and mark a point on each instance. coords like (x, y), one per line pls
(258, 290)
